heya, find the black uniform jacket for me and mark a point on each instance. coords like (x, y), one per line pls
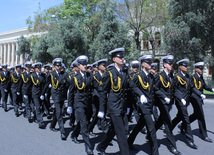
(198, 85)
(164, 87)
(115, 94)
(147, 91)
(59, 84)
(16, 82)
(182, 87)
(38, 85)
(80, 93)
(27, 83)
(5, 80)
(97, 82)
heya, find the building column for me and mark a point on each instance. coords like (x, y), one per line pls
(17, 56)
(5, 53)
(1, 53)
(13, 54)
(21, 59)
(9, 54)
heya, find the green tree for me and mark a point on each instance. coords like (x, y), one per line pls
(111, 35)
(141, 16)
(40, 51)
(66, 41)
(191, 27)
(24, 46)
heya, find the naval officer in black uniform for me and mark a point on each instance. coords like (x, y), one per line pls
(16, 83)
(26, 90)
(145, 81)
(38, 92)
(59, 83)
(80, 95)
(5, 85)
(165, 98)
(196, 99)
(182, 90)
(115, 85)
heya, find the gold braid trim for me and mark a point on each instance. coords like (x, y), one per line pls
(52, 82)
(141, 82)
(99, 82)
(69, 77)
(13, 79)
(37, 81)
(2, 79)
(166, 85)
(195, 82)
(182, 81)
(132, 77)
(24, 79)
(76, 83)
(113, 87)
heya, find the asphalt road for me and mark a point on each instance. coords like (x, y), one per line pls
(18, 137)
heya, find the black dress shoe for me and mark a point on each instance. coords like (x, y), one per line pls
(88, 150)
(53, 129)
(17, 114)
(42, 126)
(207, 139)
(63, 137)
(191, 145)
(30, 120)
(74, 139)
(174, 151)
(5, 110)
(100, 152)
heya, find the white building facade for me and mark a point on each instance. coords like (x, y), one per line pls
(9, 46)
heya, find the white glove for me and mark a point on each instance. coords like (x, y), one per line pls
(128, 110)
(100, 114)
(26, 96)
(42, 97)
(143, 99)
(203, 96)
(212, 89)
(46, 94)
(18, 93)
(167, 100)
(69, 110)
(49, 85)
(183, 101)
(5, 90)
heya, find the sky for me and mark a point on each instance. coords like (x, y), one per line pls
(13, 13)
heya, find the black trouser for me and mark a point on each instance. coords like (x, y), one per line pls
(58, 116)
(72, 117)
(145, 119)
(117, 127)
(165, 119)
(183, 115)
(95, 110)
(16, 101)
(4, 98)
(82, 125)
(199, 115)
(38, 104)
(47, 104)
(28, 105)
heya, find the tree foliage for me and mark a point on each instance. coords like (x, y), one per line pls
(24, 46)
(111, 34)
